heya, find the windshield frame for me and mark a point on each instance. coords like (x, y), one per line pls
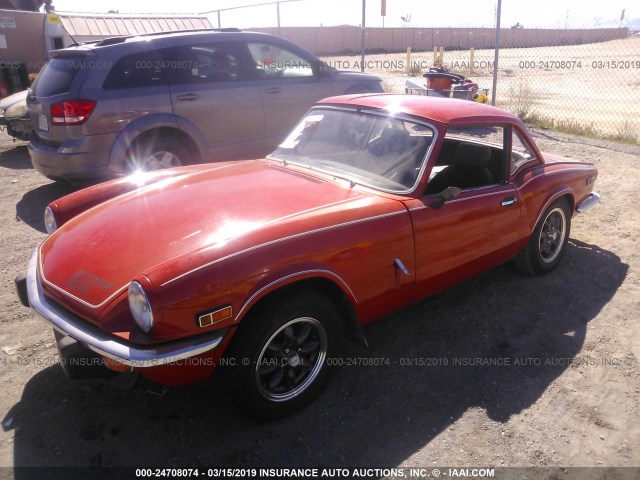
(375, 112)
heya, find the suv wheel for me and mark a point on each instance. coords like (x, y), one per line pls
(162, 153)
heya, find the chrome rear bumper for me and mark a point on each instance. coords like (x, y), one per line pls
(589, 202)
(108, 345)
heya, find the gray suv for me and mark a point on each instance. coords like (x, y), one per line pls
(154, 101)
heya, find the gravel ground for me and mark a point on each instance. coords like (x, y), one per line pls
(503, 370)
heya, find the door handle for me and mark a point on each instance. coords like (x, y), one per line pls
(272, 90)
(509, 201)
(188, 97)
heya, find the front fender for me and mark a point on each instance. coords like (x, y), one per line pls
(278, 280)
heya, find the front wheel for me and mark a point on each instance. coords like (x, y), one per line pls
(279, 361)
(548, 241)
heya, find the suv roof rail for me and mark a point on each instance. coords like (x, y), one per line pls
(124, 38)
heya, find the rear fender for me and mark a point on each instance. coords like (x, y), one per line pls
(148, 123)
(562, 191)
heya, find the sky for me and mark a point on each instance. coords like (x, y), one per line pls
(419, 13)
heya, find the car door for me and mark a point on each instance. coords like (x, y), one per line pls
(480, 228)
(212, 90)
(289, 85)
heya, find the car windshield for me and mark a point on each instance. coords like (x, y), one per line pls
(368, 148)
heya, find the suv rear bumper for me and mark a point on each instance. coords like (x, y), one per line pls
(83, 158)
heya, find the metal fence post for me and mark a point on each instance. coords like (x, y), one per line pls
(495, 57)
(364, 7)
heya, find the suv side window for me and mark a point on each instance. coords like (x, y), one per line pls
(274, 61)
(206, 63)
(138, 70)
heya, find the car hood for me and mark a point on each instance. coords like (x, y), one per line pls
(93, 257)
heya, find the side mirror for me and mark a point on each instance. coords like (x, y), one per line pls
(447, 194)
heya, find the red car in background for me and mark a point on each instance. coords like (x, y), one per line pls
(265, 267)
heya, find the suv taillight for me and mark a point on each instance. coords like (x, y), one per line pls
(71, 112)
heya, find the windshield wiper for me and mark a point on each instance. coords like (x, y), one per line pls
(352, 182)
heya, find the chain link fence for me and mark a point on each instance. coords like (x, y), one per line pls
(579, 80)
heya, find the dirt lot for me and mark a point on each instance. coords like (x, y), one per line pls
(567, 391)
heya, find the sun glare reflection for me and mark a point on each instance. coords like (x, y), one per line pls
(139, 177)
(231, 229)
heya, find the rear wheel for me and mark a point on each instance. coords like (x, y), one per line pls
(548, 242)
(149, 154)
(279, 361)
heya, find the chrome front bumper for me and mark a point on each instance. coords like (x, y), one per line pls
(107, 345)
(591, 201)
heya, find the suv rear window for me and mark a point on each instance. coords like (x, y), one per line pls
(57, 75)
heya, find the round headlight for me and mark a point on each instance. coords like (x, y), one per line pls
(140, 306)
(50, 221)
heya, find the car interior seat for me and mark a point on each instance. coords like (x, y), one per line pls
(468, 169)
(390, 141)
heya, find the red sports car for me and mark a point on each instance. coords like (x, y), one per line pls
(264, 268)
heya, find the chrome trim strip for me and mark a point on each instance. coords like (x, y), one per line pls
(287, 277)
(501, 192)
(456, 200)
(283, 239)
(590, 202)
(420, 207)
(108, 345)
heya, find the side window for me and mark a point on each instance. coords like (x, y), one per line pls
(207, 63)
(469, 157)
(138, 70)
(520, 152)
(274, 61)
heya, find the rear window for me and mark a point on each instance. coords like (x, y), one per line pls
(57, 75)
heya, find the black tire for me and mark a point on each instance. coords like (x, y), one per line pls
(548, 241)
(278, 361)
(150, 153)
